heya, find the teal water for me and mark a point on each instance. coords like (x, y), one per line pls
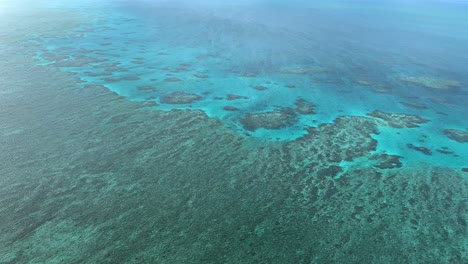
(248, 132)
(342, 58)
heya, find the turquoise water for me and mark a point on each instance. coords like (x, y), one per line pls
(248, 132)
(344, 58)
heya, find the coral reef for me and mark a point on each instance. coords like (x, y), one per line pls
(236, 97)
(445, 151)
(269, 120)
(398, 120)
(230, 108)
(421, 149)
(414, 105)
(260, 88)
(387, 161)
(172, 79)
(180, 98)
(304, 107)
(457, 135)
(431, 83)
(106, 180)
(345, 139)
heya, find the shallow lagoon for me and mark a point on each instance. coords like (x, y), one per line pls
(251, 132)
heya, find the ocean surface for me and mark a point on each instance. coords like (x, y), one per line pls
(252, 131)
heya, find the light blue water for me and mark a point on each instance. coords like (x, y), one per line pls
(347, 58)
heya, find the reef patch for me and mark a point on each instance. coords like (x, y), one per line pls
(431, 83)
(304, 107)
(268, 120)
(399, 120)
(230, 108)
(235, 97)
(457, 135)
(421, 149)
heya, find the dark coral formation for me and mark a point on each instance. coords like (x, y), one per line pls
(260, 88)
(387, 161)
(414, 105)
(421, 149)
(269, 120)
(398, 120)
(236, 97)
(180, 98)
(230, 108)
(445, 150)
(304, 107)
(347, 138)
(457, 135)
(172, 79)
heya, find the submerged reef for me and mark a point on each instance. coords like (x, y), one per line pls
(345, 139)
(269, 120)
(260, 88)
(431, 83)
(172, 79)
(398, 120)
(421, 149)
(236, 97)
(387, 161)
(230, 108)
(180, 98)
(414, 105)
(457, 135)
(304, 107)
